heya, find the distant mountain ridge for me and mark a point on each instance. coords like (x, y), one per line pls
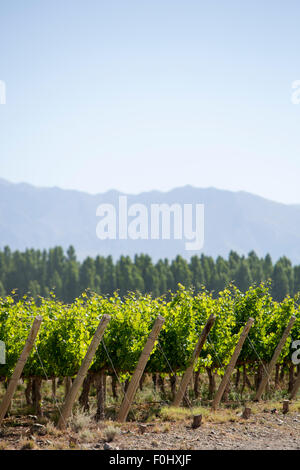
(32, 217)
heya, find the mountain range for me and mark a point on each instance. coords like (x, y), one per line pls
(34, 217)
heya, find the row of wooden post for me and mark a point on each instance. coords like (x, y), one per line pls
(136, 377)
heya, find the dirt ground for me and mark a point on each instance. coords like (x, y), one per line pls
(266, 429)
(253, 434)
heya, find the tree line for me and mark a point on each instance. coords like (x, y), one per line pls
(40, 272)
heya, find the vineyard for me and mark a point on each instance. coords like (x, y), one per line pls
(67, 330)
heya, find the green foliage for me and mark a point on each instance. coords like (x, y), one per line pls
(41, 272)
(67, 330)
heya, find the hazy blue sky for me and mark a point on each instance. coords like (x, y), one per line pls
(140, 95)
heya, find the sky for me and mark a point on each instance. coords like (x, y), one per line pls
(137, 95)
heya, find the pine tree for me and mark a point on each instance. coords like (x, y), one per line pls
(243, 276)
(280, 283)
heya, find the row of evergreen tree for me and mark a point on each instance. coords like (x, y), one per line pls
(40, 272)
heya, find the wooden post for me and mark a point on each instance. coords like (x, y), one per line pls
(276, 354)
(232, 364)
(197, 419)
(19, 367)
(246, 413)
(296, 387)
(285, 406)
(71, 397)
(189, 371)
(133, 385)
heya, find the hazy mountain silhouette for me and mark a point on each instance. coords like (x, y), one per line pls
(32, 217)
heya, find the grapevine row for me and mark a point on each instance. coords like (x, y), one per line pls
(67, 330)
